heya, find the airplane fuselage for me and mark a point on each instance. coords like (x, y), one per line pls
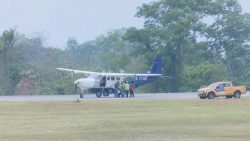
(104, 83)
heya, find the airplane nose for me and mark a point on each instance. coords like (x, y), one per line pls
(76, 82)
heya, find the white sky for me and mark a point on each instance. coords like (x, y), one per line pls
(57, 20)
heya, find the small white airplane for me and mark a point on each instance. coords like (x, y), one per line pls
(103, 84)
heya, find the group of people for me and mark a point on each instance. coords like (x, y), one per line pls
(123, 89)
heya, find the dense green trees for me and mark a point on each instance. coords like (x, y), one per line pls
(201, 41)
(229, 35)
(180, 31)
(9, 63)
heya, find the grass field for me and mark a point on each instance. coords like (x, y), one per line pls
(126, 120)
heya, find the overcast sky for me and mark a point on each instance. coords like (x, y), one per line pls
(57, 20)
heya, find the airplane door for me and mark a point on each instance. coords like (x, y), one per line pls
(103, 81)
(111, 80)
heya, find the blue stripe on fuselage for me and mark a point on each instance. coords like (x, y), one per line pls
(144, 81)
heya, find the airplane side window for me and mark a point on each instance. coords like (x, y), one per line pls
(108, 78)
(112, 78)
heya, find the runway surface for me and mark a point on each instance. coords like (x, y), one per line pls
(150, 96)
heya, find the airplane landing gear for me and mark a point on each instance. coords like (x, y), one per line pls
(98, 94)
(81, 96)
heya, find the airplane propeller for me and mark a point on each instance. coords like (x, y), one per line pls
(72, 74)
(75, 88)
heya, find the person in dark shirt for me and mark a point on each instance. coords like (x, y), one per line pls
(131, 89)
(116, 89)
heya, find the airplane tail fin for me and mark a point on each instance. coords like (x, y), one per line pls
(154, 69)
(156, 65)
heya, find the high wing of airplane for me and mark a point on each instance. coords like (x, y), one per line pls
(107, 74)
(103, 84)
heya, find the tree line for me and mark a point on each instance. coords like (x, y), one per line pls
(201, 41)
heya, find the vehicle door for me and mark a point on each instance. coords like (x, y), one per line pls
(228, 89)
(220, 89)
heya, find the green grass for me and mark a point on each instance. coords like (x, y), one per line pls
(126, 120)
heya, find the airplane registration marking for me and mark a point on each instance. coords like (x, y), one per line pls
(141, 78)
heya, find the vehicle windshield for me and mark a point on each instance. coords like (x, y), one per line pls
(214, 85)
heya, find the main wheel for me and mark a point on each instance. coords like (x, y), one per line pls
(210, 96)
(237, 94)
(98, 94)
(106, 94)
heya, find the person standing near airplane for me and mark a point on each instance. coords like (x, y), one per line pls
(131, 89)
(126, 88)
(116, 89)
(121, 89)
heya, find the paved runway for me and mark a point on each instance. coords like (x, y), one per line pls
(156, 96)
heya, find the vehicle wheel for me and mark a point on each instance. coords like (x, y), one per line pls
(202, 97)
(99, 94)
(211, 96)
(229, 96)
(237, 94)
(106, 94)
(81, 96)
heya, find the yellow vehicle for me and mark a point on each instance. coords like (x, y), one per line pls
(221, 89)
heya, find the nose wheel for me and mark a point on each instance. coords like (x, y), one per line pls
(81, 96)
